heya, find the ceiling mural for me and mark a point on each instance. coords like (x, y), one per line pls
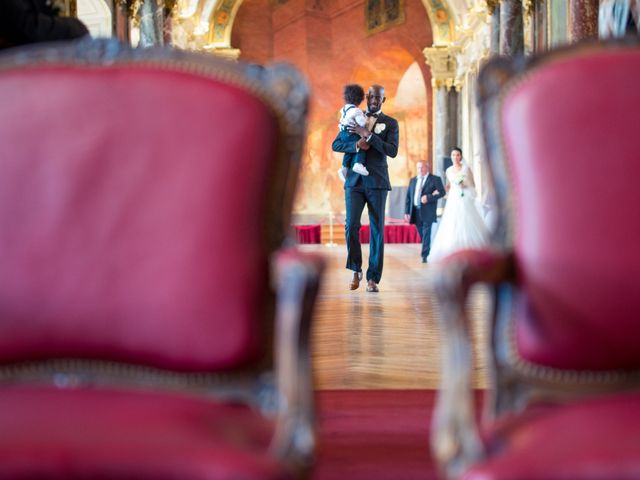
(207, 24)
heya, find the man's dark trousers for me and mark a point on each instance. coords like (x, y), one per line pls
(375, 199)
(424, 231)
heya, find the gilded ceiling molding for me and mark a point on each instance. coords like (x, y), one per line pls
(223, 17)
(228, 53)
(528, 6)
(68, 8)
(221, 22)
(171, 6)
(441, 21)
(492, 5)
(133, 6)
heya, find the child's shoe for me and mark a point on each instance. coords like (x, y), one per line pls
(361, 169)
(342, 173)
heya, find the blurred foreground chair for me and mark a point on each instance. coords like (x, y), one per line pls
(564, 401)
(144, 200)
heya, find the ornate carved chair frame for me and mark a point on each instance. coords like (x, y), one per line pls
(279, 382)
(514, 382)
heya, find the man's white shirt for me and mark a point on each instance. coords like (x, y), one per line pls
(420, 181)
(371, 120)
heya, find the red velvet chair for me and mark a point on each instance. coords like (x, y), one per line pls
(564, 400)
(144, 200)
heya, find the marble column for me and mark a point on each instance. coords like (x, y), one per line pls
(151, 23)
(442, 61)
(511, 28)
(583, 16)
(495, 30)
(439, 126)
(445, 126)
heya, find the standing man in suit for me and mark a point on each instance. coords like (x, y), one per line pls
(379, 138)
(420, 206)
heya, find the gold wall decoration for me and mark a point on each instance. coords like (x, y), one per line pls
(441, 22)
(222, 22)
(492, 5)
(171, 6)
(383, 14)
(68, 8)
(528, 7)
(134, 7)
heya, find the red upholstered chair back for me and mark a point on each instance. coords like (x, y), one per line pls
(567, 133)
(141, 194)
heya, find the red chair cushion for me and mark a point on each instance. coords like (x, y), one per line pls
(132, 218)
(91, 434)
(593, 439)
(571, 138)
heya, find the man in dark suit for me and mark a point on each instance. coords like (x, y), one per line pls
(420, 206)
(379, 138)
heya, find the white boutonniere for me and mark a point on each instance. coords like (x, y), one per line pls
(379, 128)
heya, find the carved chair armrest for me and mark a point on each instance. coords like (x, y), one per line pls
(455, 440)
(297, 279)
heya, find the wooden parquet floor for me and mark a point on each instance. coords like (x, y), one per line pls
(385, 340)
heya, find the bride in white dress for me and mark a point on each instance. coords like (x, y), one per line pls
(461, 225)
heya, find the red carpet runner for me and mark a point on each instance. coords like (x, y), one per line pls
(374, 435)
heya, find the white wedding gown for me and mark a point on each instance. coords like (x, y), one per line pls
(461, 225)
